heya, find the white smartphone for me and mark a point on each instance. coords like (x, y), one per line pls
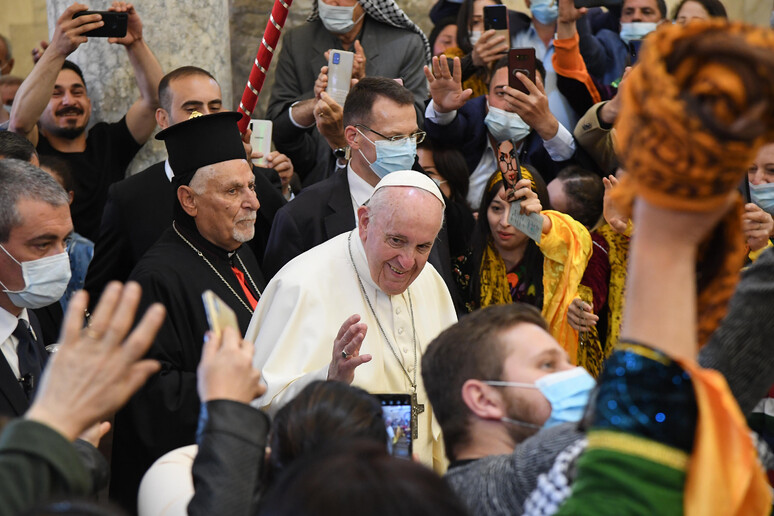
(339, 74)
(261, 139)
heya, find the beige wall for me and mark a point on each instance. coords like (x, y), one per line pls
(24, 23)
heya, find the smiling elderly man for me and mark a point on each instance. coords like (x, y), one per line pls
(214, 215)
(373, 278)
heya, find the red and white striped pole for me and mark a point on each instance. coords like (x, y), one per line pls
(279, 14)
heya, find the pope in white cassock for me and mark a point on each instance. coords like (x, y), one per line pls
(376, 280)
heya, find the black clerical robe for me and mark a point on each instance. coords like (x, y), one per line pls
(163, 415)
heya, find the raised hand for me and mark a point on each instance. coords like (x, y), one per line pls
(68, 34)
(96, 369)
(446, 85)
(133, 27)
(226, 369)
(346, 350)
(329, 117)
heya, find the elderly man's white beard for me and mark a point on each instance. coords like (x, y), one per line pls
(244, 235)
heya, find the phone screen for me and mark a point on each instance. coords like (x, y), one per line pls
(396, 411)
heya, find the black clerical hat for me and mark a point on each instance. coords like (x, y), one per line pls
(201, 141)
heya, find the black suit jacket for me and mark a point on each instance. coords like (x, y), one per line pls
(324, 210)
(13, 401)
(137, 212)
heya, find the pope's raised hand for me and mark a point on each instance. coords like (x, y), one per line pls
(346, 350)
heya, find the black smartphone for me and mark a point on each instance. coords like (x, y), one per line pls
(114, 27)
(496, 17)
(396, 411)
(597, 3)
(521, 60)
(744, 189)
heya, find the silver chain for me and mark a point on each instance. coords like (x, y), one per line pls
(379, 324)
(218, 273)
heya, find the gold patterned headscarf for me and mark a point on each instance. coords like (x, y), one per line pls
(695, 110)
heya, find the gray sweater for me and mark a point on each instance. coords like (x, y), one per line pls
(500, 484)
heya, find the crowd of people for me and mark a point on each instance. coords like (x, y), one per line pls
(442, 295)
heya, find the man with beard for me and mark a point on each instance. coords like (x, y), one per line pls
(99, 157)
(214, 215)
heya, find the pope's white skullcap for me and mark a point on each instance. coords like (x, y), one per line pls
(413, 179)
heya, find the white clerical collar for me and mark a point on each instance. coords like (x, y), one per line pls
(8, 322)
(168, 170)
(361, 262)
(359, 189)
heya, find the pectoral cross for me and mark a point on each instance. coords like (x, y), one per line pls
(416, 409)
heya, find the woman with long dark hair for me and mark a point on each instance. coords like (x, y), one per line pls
(504, 265)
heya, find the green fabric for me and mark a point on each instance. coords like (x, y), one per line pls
(613, 483)
(37, 463)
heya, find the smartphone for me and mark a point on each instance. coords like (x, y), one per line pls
(396, 411)
(219, 314)
(597, 3)
(496, 17)
(114, 27)
(744, 189)
(521, 60)
(260, 139)
(339, 74)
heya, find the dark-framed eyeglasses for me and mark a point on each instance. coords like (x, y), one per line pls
(418, 136)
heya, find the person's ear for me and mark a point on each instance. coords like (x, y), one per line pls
(353, 136)
(71, 195)
(187, 198)
(363, 219)
(483, 400)
(162, 118)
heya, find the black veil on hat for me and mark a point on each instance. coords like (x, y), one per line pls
(197, 142)
(200, 141)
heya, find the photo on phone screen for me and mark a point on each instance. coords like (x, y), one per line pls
(521, 60)
(396, 411)
(339, 74)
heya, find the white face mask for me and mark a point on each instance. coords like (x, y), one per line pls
(475, 35)
(336, 18)
(636, 31)
(45, 281)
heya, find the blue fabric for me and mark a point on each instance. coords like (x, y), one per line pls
(645, 397)
(81, 251)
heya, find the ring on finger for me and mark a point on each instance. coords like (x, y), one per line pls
(345, 355)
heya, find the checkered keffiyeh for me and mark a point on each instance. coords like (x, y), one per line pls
(553, 488)
(386, 11)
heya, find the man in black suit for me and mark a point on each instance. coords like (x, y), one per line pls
(34, 270)
(139, 208)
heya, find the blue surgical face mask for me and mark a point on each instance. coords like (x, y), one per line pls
(504, 125)
(391, 156)
(336, 18)
(763, 196)
(45, 281)
(567, 391)
(636, 31)
(545, 11)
